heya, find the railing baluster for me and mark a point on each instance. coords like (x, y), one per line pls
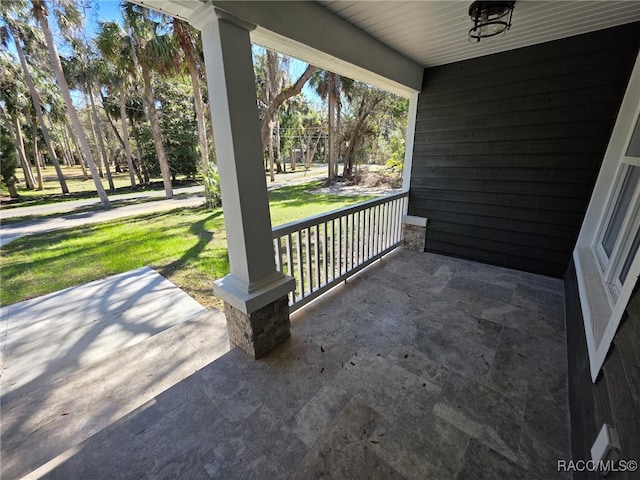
(333, 249)
(369, 242)
(300, 263)
(308, 259)
(387, 225)
(289, 248)
(374, 229)
(324, 254)
(392, 228)
(398, 236)
(353, 235)
(381, 228)
(316, 242)
(339, 258)
(358, 240)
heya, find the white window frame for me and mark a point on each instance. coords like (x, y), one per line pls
(611, 266)
(603, 297)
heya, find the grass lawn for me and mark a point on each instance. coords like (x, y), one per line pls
(188, 247)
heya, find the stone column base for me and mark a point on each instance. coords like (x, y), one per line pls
(258, 332)
(414, 237)
(414, 231)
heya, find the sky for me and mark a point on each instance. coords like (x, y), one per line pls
(101, 10)
(104, 10)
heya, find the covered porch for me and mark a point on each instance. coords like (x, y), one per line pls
(423, 366)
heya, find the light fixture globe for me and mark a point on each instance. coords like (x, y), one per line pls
(490, 18)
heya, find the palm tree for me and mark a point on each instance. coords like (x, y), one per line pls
(82, 70)
(153, 50)
(185, 36)
(116, 47)
(12, 95)
(276, 73)
(330, 86)
(40, 12)
(14, 27)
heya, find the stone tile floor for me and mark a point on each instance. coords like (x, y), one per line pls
(423, 367)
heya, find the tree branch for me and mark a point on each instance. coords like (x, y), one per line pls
(281, 97)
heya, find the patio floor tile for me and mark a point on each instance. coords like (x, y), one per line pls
(421, 367)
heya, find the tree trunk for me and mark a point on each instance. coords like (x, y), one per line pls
(157, 135)
(281, 97)
(199, 106)
(95, 141)
(126, 147)
(272, 175)
(143, 167)
(310, 152)
(74, 142)
(13, 192)
(71, 111)
(125, 135)
(103, 150)
(36, 155)
(38, 108)
(24, 163)
(330, 140)
(66, 153)
(278, 153)
(292, 154)
(347, 170)
(185, 36)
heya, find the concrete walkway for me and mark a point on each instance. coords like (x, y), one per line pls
(75, 361)
(9, 233)
(72, 205)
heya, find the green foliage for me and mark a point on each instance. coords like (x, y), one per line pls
(396, 145)
(179, 129)
(375, 127)
(8, 158)
(212, 186)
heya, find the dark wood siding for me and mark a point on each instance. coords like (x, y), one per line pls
(615, 397)
(508, 146)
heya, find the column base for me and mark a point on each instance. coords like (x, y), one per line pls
(414, 232)
(260, 331)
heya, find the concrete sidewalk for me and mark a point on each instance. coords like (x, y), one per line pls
(75, 361)
(72, 205)
(9, 233)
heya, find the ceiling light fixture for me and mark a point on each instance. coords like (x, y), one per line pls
(489, 19)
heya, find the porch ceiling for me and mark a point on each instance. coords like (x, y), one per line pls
(435, 32)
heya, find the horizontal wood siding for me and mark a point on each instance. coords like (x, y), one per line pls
(615, 397)
(508, 146)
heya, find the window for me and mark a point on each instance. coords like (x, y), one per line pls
(614, 246)
(606, 256)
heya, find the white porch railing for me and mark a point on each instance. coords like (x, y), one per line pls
(321, 251)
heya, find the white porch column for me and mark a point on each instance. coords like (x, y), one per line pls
(255, 294)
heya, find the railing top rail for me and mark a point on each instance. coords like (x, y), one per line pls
(325, 217)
